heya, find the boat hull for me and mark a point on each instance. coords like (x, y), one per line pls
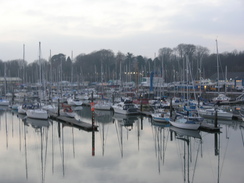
(37, 114)
(194, 126)
(127, 112)
(160, 118)
(220, 114)
(4, 102)
(21, 110)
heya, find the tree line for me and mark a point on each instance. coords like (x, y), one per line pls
(173, 64)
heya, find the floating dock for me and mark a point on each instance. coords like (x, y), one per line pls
(74, 122)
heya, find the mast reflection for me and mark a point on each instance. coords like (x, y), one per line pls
(185, 138)
(123, 122)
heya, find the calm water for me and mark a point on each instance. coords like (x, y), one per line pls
(126, 150)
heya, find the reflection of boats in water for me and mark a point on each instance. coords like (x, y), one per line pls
(37, 123)
(41, 128)
(188, 139)
(84, 114)
(103, 116)
(125, 120)
(160, 135)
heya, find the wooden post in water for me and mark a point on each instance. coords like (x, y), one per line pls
(58, 108)
(141, 122)
(171, 108)
(198, 100)
(216, 119)
(216, 148)
(171, 135)
(59, 130)
(141, 103)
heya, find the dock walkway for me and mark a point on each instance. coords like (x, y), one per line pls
(74, 122)
(209, 127)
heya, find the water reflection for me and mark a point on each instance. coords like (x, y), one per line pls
(126, 146)
(185, 139)
(103, 120)
(160, 133)
(41, 128)
(123, 123)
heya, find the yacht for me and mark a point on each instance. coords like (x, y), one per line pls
(126, 107)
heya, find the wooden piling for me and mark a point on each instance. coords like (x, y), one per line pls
(216, 119)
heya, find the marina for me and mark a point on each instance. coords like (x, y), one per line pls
(121, 92)
(135, 127)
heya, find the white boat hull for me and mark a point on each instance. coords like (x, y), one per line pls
(67, 114)
(37, 114)
(21, 110)
(220, 114)
(4, 102)
(189, 126)
(122, 111)
(122, 108)
(74, 102)
(186, 132)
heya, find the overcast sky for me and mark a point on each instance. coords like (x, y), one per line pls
(140, 27)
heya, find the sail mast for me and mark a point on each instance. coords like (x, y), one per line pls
(39, 60)
(23, 63)
(217, 65)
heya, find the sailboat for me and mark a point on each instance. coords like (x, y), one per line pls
(181, 122)
(38, 113)
(221, 97)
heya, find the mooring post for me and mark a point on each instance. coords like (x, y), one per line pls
(141, 103)
(171, 108)
(198, 101)
(216, 118)
(58, 108)
(216, 147)
(171, 135)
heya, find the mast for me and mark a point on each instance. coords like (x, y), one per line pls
(72, 67)
(225, 79)
(5, 79)
(217, 65)
(162, 72)
(40, 75)
(23, 63)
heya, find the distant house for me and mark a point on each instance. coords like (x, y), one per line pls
(10, 80)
